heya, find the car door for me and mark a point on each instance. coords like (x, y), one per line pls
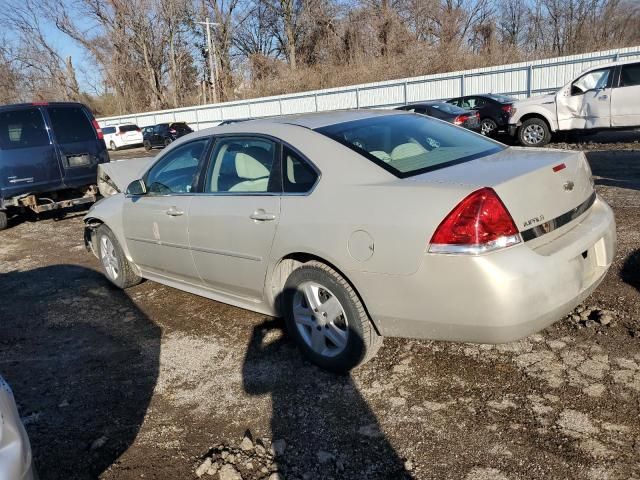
(625, 98)
(76, 142)
(587, 102)
(156, 223)
(233, 222)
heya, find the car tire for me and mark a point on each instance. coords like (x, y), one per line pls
(534, 132)
(114, 263)
(147, 145)
(112, 146)
(4, 220)
(167, 142)
(488, 127)
(337, 344)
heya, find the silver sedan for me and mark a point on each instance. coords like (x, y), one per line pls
(358, 225)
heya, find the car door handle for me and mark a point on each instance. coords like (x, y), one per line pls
(262, 216)
(174, 212)
(603, 97)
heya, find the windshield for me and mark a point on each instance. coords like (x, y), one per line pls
(407, 145)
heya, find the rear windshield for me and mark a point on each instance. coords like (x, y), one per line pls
(22, 128)
(128, 128)
(71, 125)
(181, 126)
(501, 98)
(407, 145)
(448, 108)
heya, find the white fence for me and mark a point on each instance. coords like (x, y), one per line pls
(518, 80)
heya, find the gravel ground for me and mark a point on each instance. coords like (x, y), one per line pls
(157, 383)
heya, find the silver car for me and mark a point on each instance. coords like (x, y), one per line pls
(359, 225)
(15, 450)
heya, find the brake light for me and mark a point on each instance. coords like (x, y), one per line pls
(171, 130)
(94, 122)
(508, 109)
(478, 116)
(479, 223)
(138, 130)
(460, 119)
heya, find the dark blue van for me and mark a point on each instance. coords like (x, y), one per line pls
(49, 156)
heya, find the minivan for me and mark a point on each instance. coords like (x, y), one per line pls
(49, 156)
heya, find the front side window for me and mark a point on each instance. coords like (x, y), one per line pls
(591, 81)
(71, 124)
(176, 171)
(407, 145)
(241, 165)
(22, 128)
(298, 175)
(630, 75)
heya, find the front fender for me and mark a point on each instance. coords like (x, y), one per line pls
(107, 211)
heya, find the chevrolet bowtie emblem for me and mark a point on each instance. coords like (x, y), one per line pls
(568, 186)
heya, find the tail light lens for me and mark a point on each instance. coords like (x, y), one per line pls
(94, 122)
(508, 109)
(172, 130)
(138, 130)
(480, 223)
(460, 119)
(478, 116)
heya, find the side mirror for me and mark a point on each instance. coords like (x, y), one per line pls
(137, 187)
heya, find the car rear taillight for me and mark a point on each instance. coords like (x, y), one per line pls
(479, 223)
(478, 116)
(460, 119)
(508, 109)
(94, 122)
(138, 130)
(171, 130)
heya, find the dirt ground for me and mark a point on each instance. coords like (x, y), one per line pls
(153, 382)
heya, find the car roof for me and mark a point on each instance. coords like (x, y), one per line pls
(42, 104)
(323, 119)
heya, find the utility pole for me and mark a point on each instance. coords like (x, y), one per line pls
(213, 63)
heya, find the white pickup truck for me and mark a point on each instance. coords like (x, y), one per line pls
(602, 97)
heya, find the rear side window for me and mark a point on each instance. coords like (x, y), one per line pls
(71, 124)
(407, 145)
(108, 130)
(448, 108)
(630, 75)
(298, 175)
(128, 128)
(22, 129)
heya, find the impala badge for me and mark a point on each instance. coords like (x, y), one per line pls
(568, 186)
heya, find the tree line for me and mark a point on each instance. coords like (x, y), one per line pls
(140, 55)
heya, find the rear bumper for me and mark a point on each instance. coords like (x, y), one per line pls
(512, 129)
(498, 297)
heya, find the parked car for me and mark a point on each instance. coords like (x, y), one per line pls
(356, 225)
(118, 136)
(603, 97)
(165, 133)
(16, 460)
(444, 111)
(494, 110)
(49, 153)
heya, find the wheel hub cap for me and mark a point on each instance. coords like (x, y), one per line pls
(533, 134)
(109, 257)
(320, 319)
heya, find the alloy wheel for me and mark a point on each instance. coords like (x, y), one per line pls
(109, 257)
(533, 134)
(320, 319)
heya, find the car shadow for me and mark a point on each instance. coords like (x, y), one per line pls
(83, 362)
(630, 271)
(616, 168)
(328, 428)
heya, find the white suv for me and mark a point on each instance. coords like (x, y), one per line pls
(118, 136)
(602, 97)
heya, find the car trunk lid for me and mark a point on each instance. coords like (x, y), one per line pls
(541, 188)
